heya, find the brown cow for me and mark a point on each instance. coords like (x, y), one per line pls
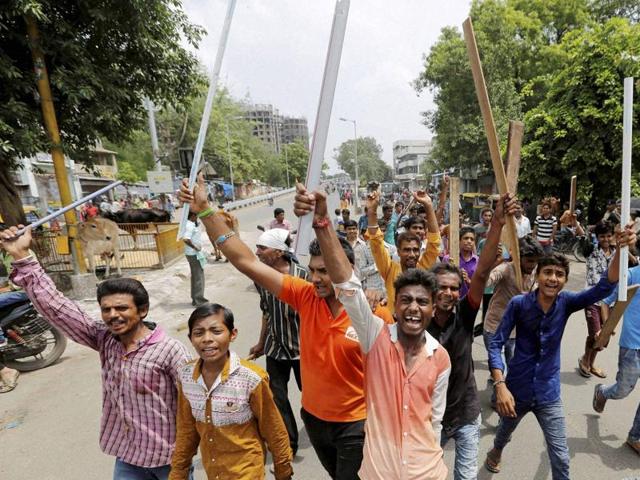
(99, 236)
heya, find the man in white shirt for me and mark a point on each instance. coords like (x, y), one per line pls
(523, 225)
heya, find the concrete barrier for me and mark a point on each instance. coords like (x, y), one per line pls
(229, 206)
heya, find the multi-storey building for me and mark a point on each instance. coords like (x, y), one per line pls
(274, 129)
(408, 155)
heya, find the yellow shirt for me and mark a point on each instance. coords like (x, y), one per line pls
(390, 270)
(230, 422)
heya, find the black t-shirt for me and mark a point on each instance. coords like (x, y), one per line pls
(463, 405)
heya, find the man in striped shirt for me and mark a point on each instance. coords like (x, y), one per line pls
(279, 336)
(139, 360)
(545, 226)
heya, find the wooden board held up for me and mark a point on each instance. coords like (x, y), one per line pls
(572, 197)
(614, 318)
(454, 220)
(492, 135)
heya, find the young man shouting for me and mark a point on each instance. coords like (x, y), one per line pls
(533, 381)
(452, 326)
(406, 369)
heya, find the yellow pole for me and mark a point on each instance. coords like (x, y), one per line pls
(51, 125)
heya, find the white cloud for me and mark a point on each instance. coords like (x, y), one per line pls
(276, 52)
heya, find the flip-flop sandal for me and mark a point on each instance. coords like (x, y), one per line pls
(598, 372)
(9, 385)
(491, 465)
(582, 371)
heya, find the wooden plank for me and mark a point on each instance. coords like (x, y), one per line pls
(614, 318)
(572, 195)
(514, 146)
(454, 220)
(492, 135)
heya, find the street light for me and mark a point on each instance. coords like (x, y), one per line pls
(233, 188)
(355, 148)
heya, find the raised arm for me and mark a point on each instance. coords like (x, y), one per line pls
(46, 298)
(506, 206)
(349, 289)
(376, 239)
(219, 228)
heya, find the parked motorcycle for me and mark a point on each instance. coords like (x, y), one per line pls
(33, 342)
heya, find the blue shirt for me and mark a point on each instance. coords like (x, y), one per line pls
(534, 370)
(630, 335)
(363, 222)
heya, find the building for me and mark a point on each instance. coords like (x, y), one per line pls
(294, 129)
(408, 155)
(36, 182)
(266, 124)
(274, 129)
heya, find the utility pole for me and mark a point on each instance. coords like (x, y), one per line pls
(51, 125)
(153, 133)
(286, 163)
(233, 188)
(355, 154)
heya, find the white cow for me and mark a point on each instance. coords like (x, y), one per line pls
(99, 236)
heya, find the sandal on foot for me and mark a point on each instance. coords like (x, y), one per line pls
(10, 384)
(491, 464)
(585, 372)
(598, 372)
(635, 445)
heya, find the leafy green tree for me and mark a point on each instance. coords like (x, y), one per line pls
(577, 128)
(370, 164)
(297, 158)
(103, 58)
(127, 173)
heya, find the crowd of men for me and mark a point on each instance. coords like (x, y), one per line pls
(377, 329)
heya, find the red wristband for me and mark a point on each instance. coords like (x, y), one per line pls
(322, 223)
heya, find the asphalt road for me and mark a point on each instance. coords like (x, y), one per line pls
(49, 425)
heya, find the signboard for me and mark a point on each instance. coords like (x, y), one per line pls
(160, 181)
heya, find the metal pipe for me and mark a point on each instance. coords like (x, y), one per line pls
(71, 206)
(204, 124)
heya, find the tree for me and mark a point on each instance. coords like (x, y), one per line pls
(127, 174)
(370, 164)
(103, 58)
(577, 128)
(297, 158)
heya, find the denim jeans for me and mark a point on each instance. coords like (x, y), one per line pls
(551, 419)
(338, 445)
(279, 372)
(626, 378)
(467, 438)
(126, 471)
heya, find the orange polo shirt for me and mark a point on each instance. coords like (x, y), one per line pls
(331, 363)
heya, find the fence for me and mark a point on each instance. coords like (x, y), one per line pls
(142, 246)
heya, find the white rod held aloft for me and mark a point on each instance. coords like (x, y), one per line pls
(323, 116)
(627, 134)
(75, 204)
(213, 83)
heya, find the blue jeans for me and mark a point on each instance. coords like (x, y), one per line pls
(626, 378)
(507, 354)
(126, 471)
(467, 438)
(551, 419)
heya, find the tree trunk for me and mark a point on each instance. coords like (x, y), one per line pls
(10, 203)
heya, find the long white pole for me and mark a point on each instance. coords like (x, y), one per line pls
(323, 116)
(213, 82)
(627, 134)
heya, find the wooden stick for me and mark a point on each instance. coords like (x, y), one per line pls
(454, 220)
(492, 136)
(512, 165)
(614, 317)
(572, 195)
(514, 146)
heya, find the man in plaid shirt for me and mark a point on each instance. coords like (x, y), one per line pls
(139, 360)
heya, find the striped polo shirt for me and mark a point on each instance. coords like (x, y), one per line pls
(544, 228)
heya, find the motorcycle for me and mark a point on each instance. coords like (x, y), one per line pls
(33, 343)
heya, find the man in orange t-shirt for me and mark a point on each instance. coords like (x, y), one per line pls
(331, 363)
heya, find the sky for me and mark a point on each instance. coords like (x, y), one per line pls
(276, 53)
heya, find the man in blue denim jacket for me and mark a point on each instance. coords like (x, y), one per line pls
(533, 381)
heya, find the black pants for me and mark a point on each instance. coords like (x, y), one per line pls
(279, 373)
(338, 445)
(197, 281)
